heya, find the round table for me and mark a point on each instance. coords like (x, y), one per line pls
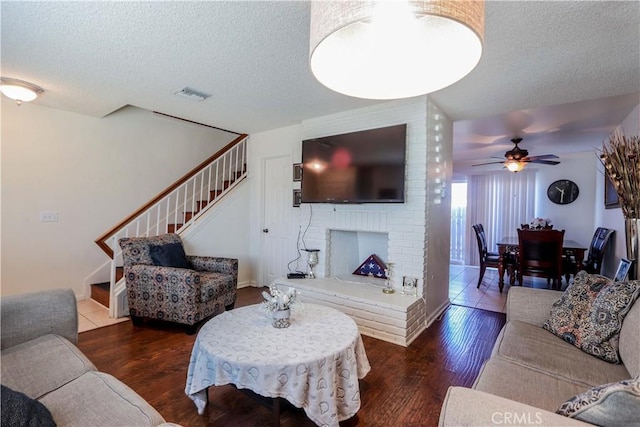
(315, 363)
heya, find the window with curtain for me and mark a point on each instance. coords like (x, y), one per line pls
(501, 202)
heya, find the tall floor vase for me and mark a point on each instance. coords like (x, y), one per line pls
(632, 238)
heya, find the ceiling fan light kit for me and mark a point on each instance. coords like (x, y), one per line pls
(394, 49)
(19, 90)
(514, 166)
(517, 158)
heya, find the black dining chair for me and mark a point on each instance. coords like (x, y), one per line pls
(540, 255)
(487, 259)
(593, 263)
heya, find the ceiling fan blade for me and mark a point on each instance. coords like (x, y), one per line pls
(490, 163)
(542, 156)
(543, 162)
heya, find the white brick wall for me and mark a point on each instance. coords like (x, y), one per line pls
(404, 223)
(418, 230)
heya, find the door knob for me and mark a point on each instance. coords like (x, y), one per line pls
(265, 230)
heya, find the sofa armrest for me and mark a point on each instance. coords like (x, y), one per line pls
(215, 264)
(468, 407)
(29, 316)
(530, 305)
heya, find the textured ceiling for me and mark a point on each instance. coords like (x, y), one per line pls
(252, 58)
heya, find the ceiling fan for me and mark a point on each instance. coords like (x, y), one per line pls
(517, 158)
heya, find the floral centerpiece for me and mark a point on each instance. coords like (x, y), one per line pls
(278, 303)
(540, 223)
(621, 159)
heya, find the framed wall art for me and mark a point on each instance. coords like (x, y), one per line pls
(297, 172)
(610, 195)
(297, 198)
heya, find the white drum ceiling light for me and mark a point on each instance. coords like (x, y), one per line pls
(394, 49)
(18, 90)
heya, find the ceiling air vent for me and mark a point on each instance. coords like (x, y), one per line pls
(191, 94)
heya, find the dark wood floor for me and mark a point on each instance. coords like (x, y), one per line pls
(405, 387)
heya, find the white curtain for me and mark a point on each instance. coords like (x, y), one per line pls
(501, 202)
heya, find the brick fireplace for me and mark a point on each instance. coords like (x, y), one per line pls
(409, 234)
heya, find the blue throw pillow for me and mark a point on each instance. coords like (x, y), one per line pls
(19, 410)
(169, 255)
(615, 404)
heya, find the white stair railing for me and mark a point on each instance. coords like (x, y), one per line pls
(176, 209)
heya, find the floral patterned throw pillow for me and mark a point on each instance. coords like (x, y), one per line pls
(567, 313)
(600, 330)
(590, 313)
(610, 404)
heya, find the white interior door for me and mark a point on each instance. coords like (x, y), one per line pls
(278, 198)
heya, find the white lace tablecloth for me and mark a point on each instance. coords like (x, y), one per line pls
(315, 363)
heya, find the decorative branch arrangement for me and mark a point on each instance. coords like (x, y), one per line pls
(621, 158)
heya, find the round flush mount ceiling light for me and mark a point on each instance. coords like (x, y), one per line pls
(394, 49)
(18, 90)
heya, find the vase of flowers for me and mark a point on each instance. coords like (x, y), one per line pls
(278, 304)
(621, 159)
(540, 224)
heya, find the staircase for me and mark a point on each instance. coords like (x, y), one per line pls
(172, 211)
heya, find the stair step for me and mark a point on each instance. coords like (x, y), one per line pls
(189, 215)
(100, 293)
(200, 204)
(172, 228)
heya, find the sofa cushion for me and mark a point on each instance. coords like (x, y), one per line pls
(38, 366)
(610, 404)
(98, 399)
(516, 382)
(568, 312)
(169, 255)
(600, 329)
(19, 410)
(535, 348)
(630, 340)
(214, 286)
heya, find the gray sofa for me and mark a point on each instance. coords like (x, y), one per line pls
(531, 372)
(40, 360)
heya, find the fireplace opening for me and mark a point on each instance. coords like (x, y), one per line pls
(348, 249)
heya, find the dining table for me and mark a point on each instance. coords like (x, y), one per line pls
(510, 244)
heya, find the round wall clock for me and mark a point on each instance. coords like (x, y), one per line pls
(563, 192)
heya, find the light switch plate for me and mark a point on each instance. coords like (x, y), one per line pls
(48, 216)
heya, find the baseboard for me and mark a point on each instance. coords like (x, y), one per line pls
(437, 313)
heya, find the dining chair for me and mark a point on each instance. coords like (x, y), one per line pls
(593, 263)
(488, 259)
(540, 255)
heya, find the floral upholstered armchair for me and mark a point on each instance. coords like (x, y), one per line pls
(164, 283)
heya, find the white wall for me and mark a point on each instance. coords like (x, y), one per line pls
(612, 218)
(93, 172)
(224, 232)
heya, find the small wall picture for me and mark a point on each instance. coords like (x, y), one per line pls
(622, 271)
(297, 172)
(297, 198)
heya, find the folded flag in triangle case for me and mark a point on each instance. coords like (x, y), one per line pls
(372, 266)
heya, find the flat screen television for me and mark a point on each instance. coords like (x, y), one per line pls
(358, 167)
